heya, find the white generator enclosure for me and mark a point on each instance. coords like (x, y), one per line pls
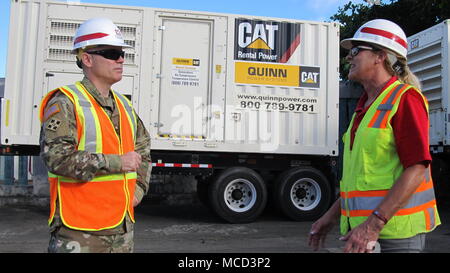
(429, 59)
(200, 81)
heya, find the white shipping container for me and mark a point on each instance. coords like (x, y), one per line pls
(428, 58)
(200, 81)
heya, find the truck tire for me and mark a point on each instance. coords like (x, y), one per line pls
(238, 195)
(303, 193)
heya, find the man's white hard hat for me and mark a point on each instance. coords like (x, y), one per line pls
(98, 31)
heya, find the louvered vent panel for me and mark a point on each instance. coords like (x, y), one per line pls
(61, 37)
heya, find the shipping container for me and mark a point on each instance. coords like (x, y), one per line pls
(429, 60)
(244, 103)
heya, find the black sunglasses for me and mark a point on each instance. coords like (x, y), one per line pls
(111, 54)
(355, 50)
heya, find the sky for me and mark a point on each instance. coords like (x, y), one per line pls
(313, 10)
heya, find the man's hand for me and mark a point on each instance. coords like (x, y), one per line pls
(131, 161)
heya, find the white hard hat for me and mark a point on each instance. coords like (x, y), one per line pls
(380, 32)
(98, 31)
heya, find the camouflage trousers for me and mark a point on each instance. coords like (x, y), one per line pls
(65, 240)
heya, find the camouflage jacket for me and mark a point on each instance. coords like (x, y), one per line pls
(58, 149)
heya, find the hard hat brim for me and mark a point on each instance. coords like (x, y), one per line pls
(75, 50)
(349, 43)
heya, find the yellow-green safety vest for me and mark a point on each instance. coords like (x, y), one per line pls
(371, 168)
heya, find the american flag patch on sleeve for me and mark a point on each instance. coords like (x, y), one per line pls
(53, 109)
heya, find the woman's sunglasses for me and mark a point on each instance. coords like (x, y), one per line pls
(355, 50)
(111, 54)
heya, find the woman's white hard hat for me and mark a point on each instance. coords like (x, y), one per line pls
(380, 32)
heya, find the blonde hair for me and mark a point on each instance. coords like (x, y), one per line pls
(404, 74)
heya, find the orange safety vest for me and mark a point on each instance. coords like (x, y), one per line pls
(103, 202)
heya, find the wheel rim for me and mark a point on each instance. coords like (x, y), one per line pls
(240, 195)
(305, 194)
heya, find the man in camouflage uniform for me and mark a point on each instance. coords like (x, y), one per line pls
(59, 139)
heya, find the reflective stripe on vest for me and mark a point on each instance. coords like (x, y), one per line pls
(100, 178)
(362, 203)
(127, 104)
(92, 136)
(379, 120)
(430, 214)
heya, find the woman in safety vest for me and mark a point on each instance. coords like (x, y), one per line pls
(386, 198)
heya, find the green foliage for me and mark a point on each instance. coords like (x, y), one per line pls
(411, 15)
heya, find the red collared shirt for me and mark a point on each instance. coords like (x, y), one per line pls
(410, 125)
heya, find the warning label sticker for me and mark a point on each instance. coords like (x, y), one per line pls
(185, 72)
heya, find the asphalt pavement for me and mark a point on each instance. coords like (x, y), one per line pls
(193, 229)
